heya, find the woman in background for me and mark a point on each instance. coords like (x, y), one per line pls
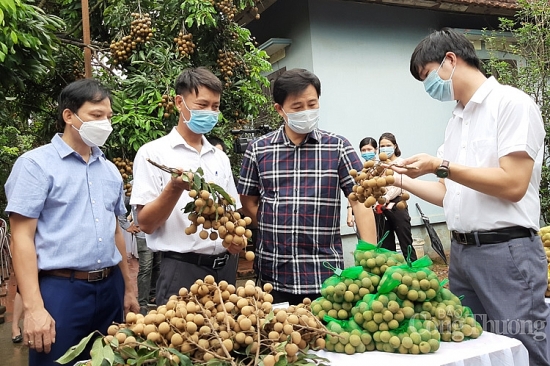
(367, 147)
(397, 222)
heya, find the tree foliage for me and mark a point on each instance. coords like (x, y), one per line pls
(41, 51)
(530, 29)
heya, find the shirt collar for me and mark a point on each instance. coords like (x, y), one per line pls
(65, 150)
(176, 139)
(484, 90)
(280, 136)
(479, 96)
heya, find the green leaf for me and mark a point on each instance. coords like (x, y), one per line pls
(221, 191)
(269, 317)
(13, 37)
(108, 354)
(97, 352)
(197, 180)
(76, 350)
(184, 360)
(189, 207)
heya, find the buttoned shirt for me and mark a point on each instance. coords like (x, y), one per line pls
(76, 204)
(299, 205)
(173, 151)
(498, 120)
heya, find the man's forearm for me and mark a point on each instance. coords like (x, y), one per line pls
(250, 208)
(24, 260)
(155, 213)
(364, 219)
(429, 191)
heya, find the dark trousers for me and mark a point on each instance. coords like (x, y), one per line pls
(396, 223)
(175, 274)
(149, 267)
(78, 308)
(292, 299)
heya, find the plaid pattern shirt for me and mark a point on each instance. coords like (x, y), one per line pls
(299, 206)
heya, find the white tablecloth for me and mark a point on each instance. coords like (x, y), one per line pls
(488, 350)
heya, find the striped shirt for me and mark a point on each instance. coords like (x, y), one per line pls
(299, 205)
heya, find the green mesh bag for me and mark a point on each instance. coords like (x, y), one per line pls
(418, 335)
(412, 281)
(346, 336)
(374, 258)
(342, 290)
(378, 312)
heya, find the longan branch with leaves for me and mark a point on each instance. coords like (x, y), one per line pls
(212, 322)
(214, 209)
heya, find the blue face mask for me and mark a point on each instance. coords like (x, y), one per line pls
(388, 150)
(201, 121)
(369, 155)
(438, 88)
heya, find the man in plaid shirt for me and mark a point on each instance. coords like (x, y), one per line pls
(290, 186)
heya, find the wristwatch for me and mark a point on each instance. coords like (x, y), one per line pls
(443, 170)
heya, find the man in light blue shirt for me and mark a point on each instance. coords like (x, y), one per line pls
(63, 199)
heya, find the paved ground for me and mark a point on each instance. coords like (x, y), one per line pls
(11, 354)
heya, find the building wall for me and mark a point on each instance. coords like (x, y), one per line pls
(361, 54)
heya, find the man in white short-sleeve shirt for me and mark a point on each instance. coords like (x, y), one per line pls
(161, 198)
(489, 169)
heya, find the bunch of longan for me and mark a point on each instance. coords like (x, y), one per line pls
(140, 33)
(371, 182)
(213, 320)
(184, 44)
(217, 215)
(168, 104)
(125, 168)
(253, 9)
(228, 62)
(226, 7)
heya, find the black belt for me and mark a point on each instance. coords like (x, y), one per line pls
(211, 261)
(90, 276)
(491, 237)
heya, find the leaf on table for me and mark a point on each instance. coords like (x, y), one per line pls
(76, 350)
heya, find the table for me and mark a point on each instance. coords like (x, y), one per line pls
(488, 350)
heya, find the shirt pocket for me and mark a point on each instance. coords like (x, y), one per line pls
(112, 191)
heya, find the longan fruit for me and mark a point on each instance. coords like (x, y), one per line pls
(112, 330)
(249, 256)
(131, 317)
(121, 337)
(269, 360)
(239, 230)
(203, 234)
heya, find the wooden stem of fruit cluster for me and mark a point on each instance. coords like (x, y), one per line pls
(228, 356)
(258, 330)
(228, 326)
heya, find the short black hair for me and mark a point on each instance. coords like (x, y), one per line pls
(390, 137)
(368, 141)
(434, 47)
(214, 140)
(191, 79)
(74, 95)
(294, 82)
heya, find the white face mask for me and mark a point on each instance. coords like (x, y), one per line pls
(94, 133)
(303, 122)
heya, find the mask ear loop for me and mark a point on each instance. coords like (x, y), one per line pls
(185, 104)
